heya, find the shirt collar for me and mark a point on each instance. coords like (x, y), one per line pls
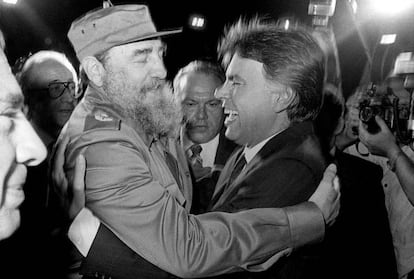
(211, 144)
(250, 152)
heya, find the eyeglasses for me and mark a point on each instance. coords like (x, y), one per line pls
(57, 88)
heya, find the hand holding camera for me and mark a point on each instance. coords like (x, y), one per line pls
(394, 111)
(383, 142)
(374, 103)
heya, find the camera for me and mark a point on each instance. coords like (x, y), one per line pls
(376, 102)
(394, 111)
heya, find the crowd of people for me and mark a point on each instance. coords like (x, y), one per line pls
(238, 168)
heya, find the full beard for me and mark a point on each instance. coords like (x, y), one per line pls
(152, 105)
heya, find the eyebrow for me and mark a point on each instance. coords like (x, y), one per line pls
(235, 77)
(149, 49)
(140, 51)
(14, 100)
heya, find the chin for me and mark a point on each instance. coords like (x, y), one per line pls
(9, 222)
(200, 138)
(61, 121)
(230, 135)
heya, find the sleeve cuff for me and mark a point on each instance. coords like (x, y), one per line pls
(83, 230)
(306, 223)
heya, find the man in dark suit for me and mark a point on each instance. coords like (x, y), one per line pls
(203, 133)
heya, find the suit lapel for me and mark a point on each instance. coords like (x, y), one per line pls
(275, 145)
(224, 150)
(230, 189)
(225, 175)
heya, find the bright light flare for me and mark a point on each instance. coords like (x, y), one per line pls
(391, 7)
(197, 22)
(287, 23)
(13, 2)
(354, 5)
(388, 39)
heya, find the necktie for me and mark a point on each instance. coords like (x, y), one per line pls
(195, 156)
(173, 166)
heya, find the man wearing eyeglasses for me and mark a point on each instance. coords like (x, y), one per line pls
(49, 83)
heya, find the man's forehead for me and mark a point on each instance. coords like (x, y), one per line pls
(199, 86)
(242, 67)
(10, 92)
(200, 94)
(153, 43)
(49, 70)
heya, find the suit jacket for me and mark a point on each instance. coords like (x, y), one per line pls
(203, 189)
(286, 171)
(359, 244)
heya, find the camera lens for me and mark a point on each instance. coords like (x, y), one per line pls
(366, 113)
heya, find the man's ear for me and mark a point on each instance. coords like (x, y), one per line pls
(94, 70)
(340, 126)
(282, 99)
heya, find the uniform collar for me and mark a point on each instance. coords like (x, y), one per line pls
(95, 97)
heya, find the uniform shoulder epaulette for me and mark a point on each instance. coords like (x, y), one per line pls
(100, 119)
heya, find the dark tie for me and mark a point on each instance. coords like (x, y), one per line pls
(195, 156)
(173, 166)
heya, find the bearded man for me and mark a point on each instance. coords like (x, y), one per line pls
(137, 180)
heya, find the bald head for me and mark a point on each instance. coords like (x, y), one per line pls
(49, 83)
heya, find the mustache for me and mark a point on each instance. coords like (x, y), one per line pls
(154, 84)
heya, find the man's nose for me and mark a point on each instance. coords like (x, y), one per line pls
(30, 149)
(158, 69)
(201, 112)
(69, 94)
(222, 93)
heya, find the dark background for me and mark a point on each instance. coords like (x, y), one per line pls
(33, 25)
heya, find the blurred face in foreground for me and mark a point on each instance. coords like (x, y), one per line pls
(19, 147)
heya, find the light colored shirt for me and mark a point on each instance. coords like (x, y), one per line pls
(208, 152)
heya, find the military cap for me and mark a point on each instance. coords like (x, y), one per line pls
(104, 28)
